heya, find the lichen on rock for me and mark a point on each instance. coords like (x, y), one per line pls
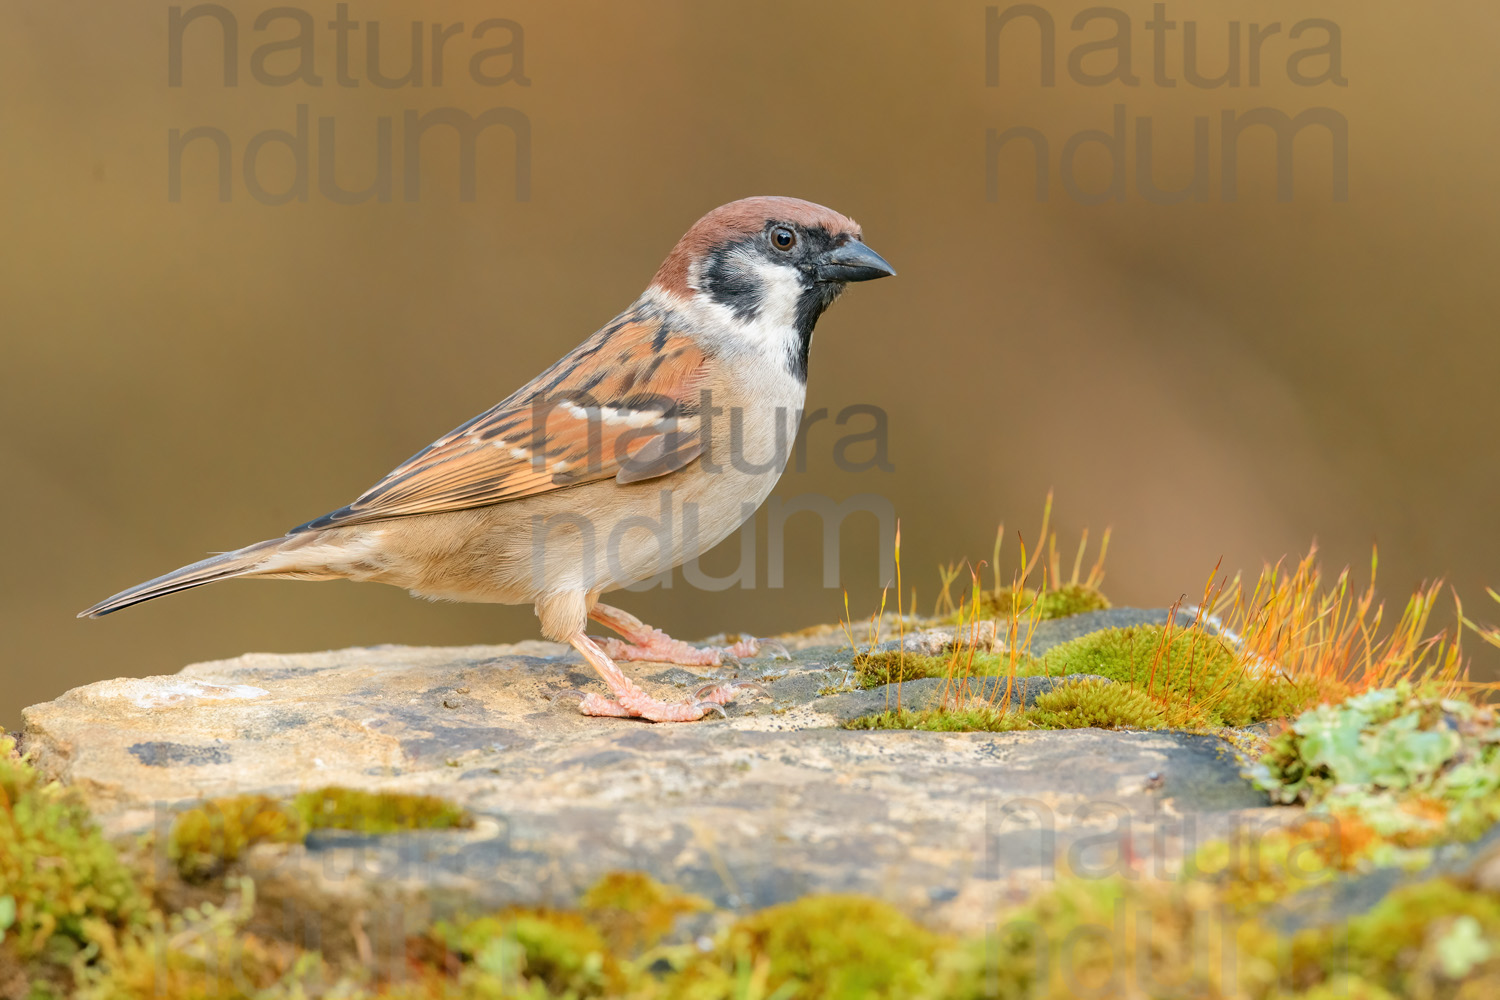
(1413, 767)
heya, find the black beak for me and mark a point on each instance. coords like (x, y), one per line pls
(853, 262)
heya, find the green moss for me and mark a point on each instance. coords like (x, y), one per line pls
(1096, 705)
(62, 886)
(1138, 936)
(1119, 937)
(830, 947)
(1063, 602)
(1196, 677)
(205, 840)
(1072, 599)
(979, 719)
(523, 952)
(1088, 704)
(1270, 697)
(377, 812)
(1185, 679)
(1187, 661)
(890, 666)
(206, 953)
(634, 911)
(1200, 934)
(1418, 941)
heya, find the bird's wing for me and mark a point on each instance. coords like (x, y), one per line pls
(623, 405)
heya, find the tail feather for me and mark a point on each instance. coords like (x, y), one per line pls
(240, 562)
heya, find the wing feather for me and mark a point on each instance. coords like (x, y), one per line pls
(623, 404)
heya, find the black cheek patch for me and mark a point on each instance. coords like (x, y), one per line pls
(730, 285)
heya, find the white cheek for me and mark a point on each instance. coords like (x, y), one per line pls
(782, 290)
(772, 331)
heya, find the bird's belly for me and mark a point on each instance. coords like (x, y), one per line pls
(603, 535)
(661, 526)
(593, 538)
(612, 535)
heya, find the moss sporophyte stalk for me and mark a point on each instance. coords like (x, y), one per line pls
(1246, 653)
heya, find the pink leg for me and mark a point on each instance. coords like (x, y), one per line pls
(642, 642)
(630, 701)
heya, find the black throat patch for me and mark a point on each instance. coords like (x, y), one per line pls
(742, 291)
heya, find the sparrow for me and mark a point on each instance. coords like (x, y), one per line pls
(645, 446)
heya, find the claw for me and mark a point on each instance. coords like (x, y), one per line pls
(727, 659)
(568, 693)
(709, 706)
(708, 689)
(777, 647)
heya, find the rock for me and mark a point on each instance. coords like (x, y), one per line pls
(929, 692)
(768, 805)
(983, 636)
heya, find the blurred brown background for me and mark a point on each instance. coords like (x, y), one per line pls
(1213, 379)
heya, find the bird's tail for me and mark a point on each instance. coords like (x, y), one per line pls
(252, 560)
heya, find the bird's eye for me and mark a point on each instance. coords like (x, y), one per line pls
(783, 238)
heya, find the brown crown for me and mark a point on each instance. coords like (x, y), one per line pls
(737, 220)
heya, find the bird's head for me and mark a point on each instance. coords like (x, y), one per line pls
(767, 267)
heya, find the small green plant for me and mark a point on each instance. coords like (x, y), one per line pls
(377, 812)
(62, 885)
(520, 951)
(1083, 705)
(1055, 598)
(1196, 678)
(634, 911)
(830, 947)
(978, 718)
(206, 840)
(1063, 602)
(1422, 940)
(894, 666)
(1286, 645)
(564, 951)
(205, 952)
(1123, 937)
(1096, 705)
(1164, 677)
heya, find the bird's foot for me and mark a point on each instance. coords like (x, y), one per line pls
(723, 694)
(637, 704)
(649, 708)
(629, 701)
(642, 642)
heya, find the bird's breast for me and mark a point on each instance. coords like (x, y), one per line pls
(750, 426)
